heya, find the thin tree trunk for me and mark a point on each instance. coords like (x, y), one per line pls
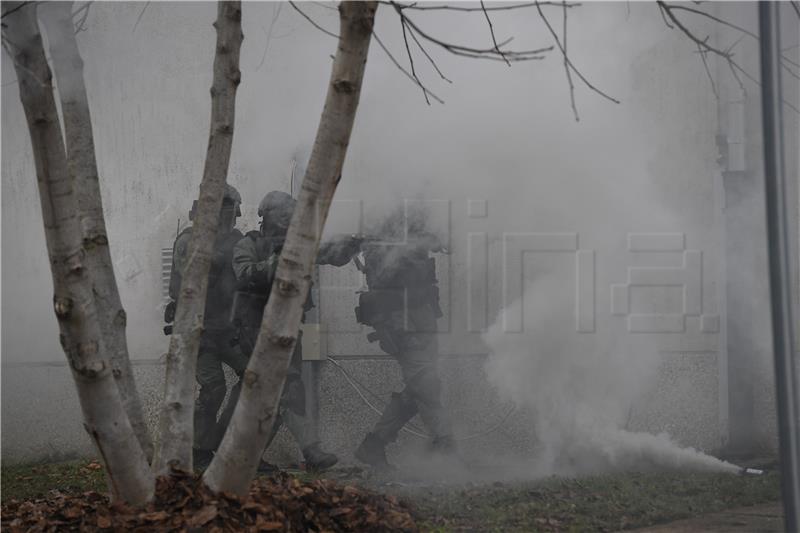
(176, 425)
(235, 463)
(129, 475)
(81, 162)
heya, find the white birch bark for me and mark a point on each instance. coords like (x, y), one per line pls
(82, 165)
(236, 461)
(174, 448)
(130, 478)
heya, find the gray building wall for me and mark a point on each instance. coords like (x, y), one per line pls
(506, 137)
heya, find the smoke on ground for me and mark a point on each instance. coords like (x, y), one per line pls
(581, 388)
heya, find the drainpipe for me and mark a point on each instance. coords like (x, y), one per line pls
(787, 380)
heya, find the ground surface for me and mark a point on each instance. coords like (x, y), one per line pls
(600, 503)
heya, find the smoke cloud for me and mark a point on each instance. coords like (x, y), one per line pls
(581, 389)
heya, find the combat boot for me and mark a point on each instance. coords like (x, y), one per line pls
(318, 459)
(372, 451)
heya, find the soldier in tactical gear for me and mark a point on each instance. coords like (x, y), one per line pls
(255, 259)
(218, 340)
(402, 305)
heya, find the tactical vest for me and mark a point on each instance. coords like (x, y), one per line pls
(251, 298)
(398, 275)
(221, 278)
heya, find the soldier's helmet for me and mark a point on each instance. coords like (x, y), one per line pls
(276, 209)
(232, 196)
(229, 197)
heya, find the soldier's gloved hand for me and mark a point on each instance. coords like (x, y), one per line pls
(169, 312)
(261, 274)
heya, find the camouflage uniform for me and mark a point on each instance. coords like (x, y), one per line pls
(218, 340)
(402, 305)
(255, 260)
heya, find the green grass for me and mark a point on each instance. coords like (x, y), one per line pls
(600, 503)
(33, 481)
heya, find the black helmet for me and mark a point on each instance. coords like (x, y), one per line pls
(276, 210)
(232, 196)
(276, 201)
(229, 197)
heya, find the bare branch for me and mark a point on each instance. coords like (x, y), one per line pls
(428, 7)
(664, 18)
(796, 6)
(326, 6)
(404, 71)
(702, 44)
(141, 14)
(566, 69)
(79, 27)
(567, 60)
(425, 52)
(491, 30)
(15, 9)
(320, 28)
(269, 34)
(475, 53)
(744, 31)
(708, 72)
(411, 61)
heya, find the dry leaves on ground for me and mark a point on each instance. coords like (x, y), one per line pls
(183, 503)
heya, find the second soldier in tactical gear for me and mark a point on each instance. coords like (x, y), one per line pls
(402, 305)
(218, 340)
(255, 260)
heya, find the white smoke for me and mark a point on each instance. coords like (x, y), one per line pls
(581, 389)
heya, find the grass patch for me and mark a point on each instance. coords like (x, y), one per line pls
(34, 481)
(601, 503)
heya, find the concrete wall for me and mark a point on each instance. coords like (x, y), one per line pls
(506, 137)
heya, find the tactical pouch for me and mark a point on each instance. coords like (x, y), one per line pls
(247, 308)
(419, 273)
(375, 306)
(384, 338)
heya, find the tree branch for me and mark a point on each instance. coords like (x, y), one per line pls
(708, 72)
(14, 9)
(269, 34)
(491, 30)
(320, 28)
(666, 9)
(411, 61)
(404, 71)
(141, 14)
(427, 7)
(425, 52)
(567, 60)
(475, 53)
(566, 69)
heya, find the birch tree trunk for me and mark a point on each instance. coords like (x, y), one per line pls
(174, 448)
(130, 478)
(82, 165)
(235, 463)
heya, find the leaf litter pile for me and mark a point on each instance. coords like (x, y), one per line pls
(183, 503)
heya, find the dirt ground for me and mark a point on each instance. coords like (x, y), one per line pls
(613, 502)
